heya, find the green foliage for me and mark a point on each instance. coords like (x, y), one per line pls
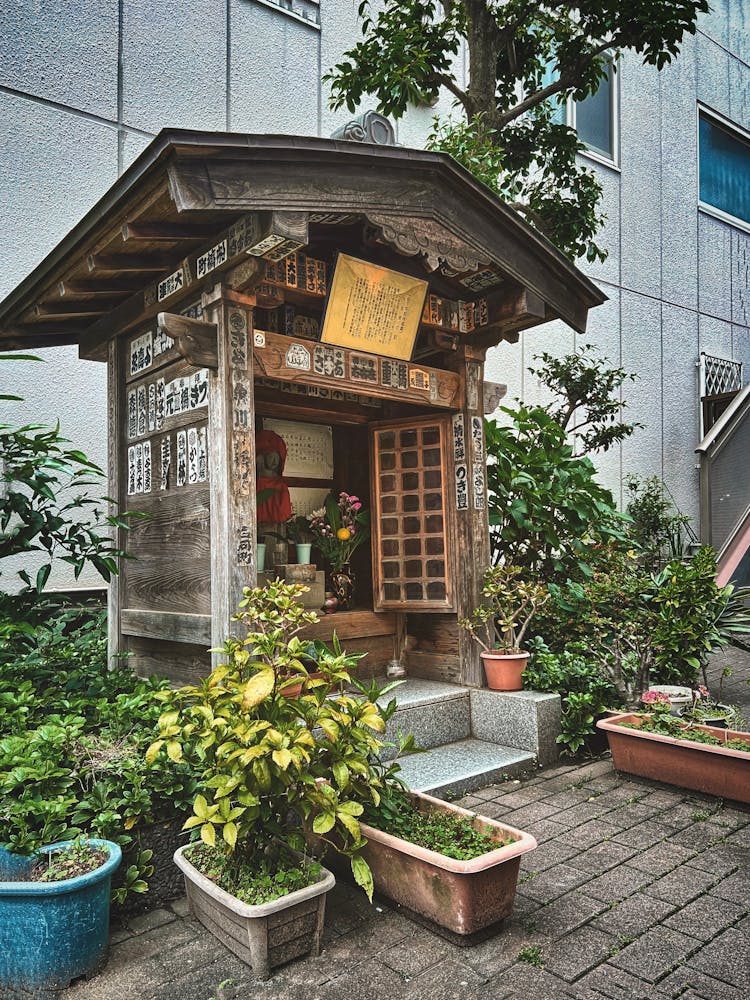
(584, 690)
(266, 759)
(657, 528)
(588, 403)
(78, 858)
(532, 955)
(646, 629)
(269, 881)
(672, 725)
(447, 833)
(525, 60)
(45, 504)
(548, 514)
(513, 602)
(74, 736)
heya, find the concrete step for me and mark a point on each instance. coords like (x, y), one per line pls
(458, 768)
(434, 712)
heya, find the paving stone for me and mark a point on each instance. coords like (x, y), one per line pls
(171, 963)
(644, 835)
(593, 832)
(411, 957)
(736, 887)
(616, 984)
(579, 952)
(595, 769)
(549, 829)
(525, 981)
(567, 798)
(681, 816)
(665, 798)
(724, 859)
(447, 979)
(618, 883)
(628, 815)
(142, 946)
(740, 838)
(662, 858)
(525, 817)
(369, 979)
(553, 852)
(147, 921)
(699, 836)
(473, 802)
(119, 934)
(733, 817)
(680, 886)
(490, 792)
(581, 813)
(685, 982)
(727, 957)
(599, 859)
(634, 915)
(706, 916)
(566, 914)
(653, 955)
(180, 906)
(553, 883)
(518, 798)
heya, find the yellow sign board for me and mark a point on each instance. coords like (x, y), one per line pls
(372, 308)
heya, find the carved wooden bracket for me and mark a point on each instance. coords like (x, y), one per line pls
(194, 340)
(439, 247)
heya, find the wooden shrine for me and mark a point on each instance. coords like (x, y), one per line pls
(343, 294)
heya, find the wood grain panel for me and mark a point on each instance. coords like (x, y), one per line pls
(171, 569)
(170, 625)
(181, 663)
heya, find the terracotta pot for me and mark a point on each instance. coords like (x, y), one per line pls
(265, 935)
(460, 897)
(715, 770)
(504, 670)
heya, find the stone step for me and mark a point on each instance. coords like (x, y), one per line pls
(434, 712)
(454, 769)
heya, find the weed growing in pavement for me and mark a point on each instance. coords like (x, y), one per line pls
(527, 877)
(532, 955)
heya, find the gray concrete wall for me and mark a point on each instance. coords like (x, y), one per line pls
(84, 87)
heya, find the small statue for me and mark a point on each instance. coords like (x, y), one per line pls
(274, 504)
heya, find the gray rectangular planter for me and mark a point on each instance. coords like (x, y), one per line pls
(266, 935)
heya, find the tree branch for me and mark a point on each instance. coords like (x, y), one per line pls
(563, 81)
(450, 84)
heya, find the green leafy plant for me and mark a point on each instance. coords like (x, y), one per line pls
(587, 393)
(274, 766)
(661, 721)
(548, 514)
(658, 530)
(73, 744)
(532, 955)
(584, 690)
(525, 61)
(79, 858)
(447, 833)
(513, 602)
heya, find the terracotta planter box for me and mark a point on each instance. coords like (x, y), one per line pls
(462, 897)
(266, 935)
(504, 670)
(715, 770)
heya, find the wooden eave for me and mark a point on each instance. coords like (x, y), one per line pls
(187, 187)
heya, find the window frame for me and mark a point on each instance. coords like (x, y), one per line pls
(613, 161)
(703, 110)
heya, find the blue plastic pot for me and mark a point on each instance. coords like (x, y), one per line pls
(52, 932)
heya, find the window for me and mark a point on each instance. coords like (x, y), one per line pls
(594, 119)
(724, 168)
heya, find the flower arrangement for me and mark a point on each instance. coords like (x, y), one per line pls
(339, 528)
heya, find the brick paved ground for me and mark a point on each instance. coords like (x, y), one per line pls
(637, 891)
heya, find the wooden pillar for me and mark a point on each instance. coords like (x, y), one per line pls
(115, 398)
(472, 524)
(231, 422)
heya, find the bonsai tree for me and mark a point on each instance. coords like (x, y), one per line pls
(513, 603)
(273, 766)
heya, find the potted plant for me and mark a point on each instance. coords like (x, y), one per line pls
(667, 748)
(707, 711)
(298, 532)
(338, 529)
(54, 913)
(500, 625)
(271, 766)
(451, 867)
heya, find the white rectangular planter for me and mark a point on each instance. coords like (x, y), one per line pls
(266, 935)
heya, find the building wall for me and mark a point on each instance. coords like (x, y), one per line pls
(83, 89)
